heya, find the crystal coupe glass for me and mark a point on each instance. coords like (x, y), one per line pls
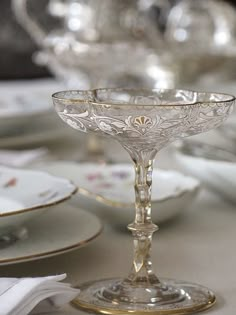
(143, 121)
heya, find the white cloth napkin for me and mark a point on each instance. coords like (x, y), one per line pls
(19, 296)
(20, 158)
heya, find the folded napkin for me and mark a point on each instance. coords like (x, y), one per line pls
(20, 158)
(19, 296)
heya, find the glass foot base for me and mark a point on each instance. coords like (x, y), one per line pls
(118, 296)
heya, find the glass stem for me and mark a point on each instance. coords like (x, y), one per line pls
(142, 228)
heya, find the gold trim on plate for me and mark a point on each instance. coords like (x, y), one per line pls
(117, 204)
(47, 205)
(53, 252)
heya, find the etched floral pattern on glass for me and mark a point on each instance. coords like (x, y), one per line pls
(143, 121)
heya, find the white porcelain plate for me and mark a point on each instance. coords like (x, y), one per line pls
(63, 228)
(24, 104)
(108, 190)
(26, 98)
(26, 193)
(22, 108)
(26, 110)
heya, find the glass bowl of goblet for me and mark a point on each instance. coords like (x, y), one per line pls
(143, 121)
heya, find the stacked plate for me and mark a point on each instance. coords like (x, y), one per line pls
(40, 223)
(37, 221)
(27, 115)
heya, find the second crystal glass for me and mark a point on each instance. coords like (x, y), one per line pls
(143, 121)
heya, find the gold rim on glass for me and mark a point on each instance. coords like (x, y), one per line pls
(56, 96)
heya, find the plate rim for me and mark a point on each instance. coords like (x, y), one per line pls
(56, 252)
(114, 203)
(41, 206)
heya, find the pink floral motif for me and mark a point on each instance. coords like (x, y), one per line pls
(10, 183)
(94, 176)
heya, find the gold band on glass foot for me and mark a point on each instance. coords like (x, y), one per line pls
(191, 298)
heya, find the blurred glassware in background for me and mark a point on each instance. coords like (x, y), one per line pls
(202, 35)
(202, 27)
(89, 21)
(89, 43)
(106, 64)
(101, 43)
(16, 47)
(134, 43)
(157, 11)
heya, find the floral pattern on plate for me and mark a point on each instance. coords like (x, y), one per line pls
(22, 190)
(115, 182)
(107, 190)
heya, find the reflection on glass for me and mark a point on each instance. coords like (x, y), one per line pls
(143, 122)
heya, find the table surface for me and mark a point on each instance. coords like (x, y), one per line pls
(198, 246)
